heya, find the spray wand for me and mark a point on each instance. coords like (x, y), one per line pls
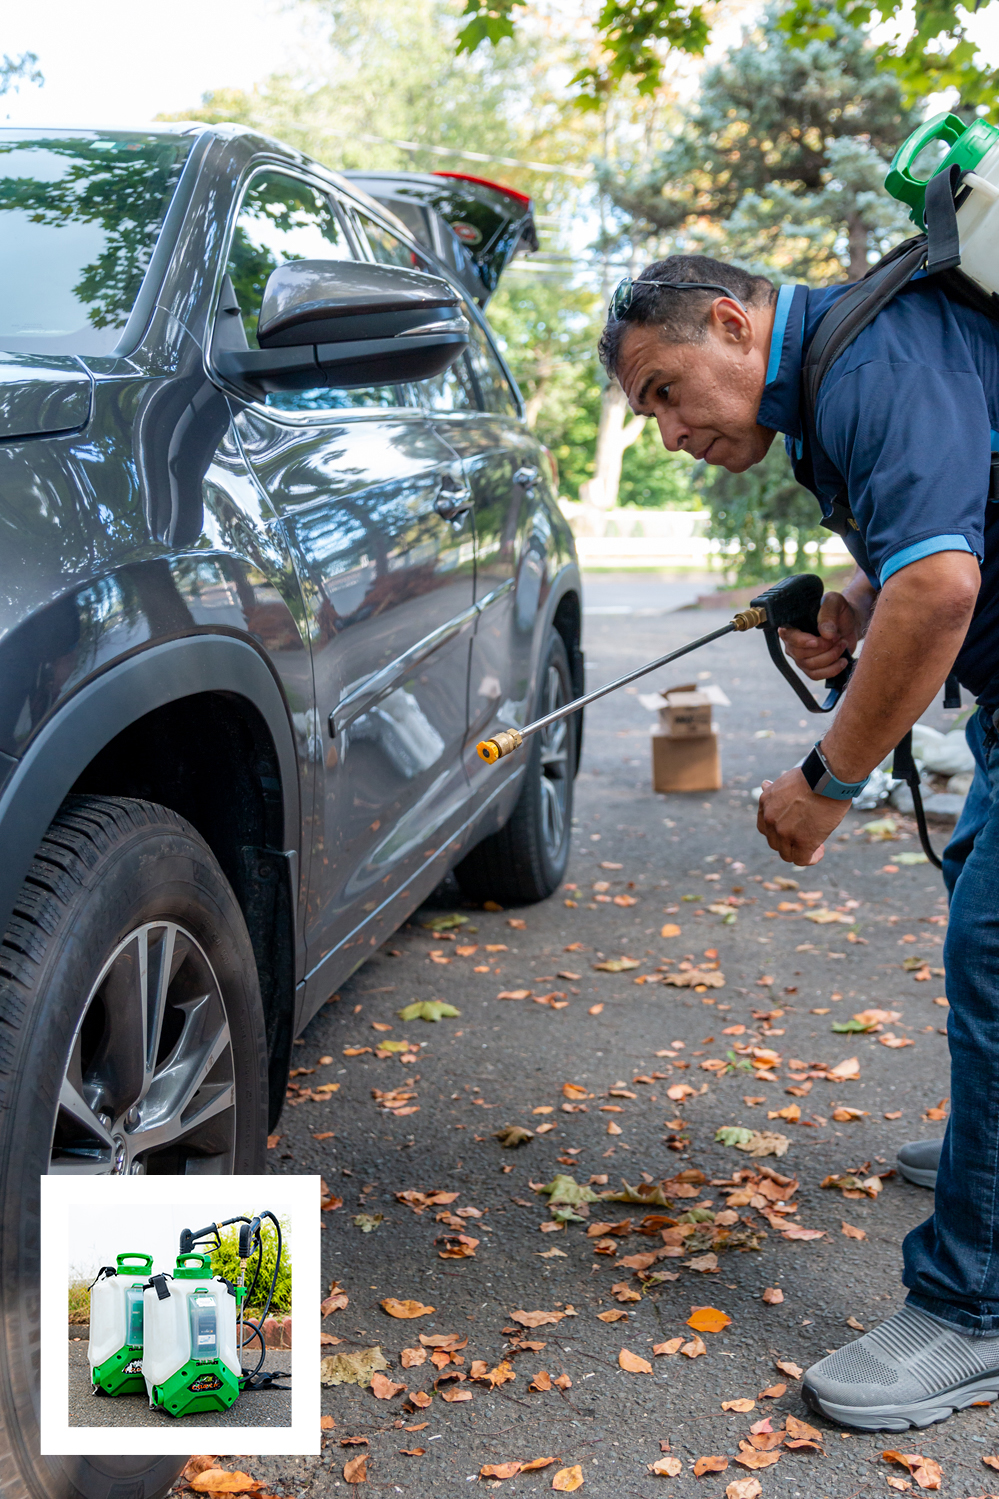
(793, 603)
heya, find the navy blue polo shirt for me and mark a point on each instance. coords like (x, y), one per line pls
(907, 418)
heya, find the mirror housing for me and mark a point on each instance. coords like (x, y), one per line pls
(345, 324)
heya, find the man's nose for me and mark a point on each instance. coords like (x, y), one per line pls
(674, 434)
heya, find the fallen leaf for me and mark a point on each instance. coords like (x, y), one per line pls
(773, 1392)
(667, 1467)
(621, 1291)
(514, 994)
(710, 1465)
(794, 1231)
(773, 1295)
(694, 1348)
(384, 1389)
(595, 1010)
(751, 1457)
(925, 1470)
(502, 1374)
(457, 1247)
(411, 1358)
(499, 1470)
(991, 1462)
(568, 1480)
(418, 1399)
(787, 1367)
(450, 1342)
(899, 1483)
(356, 1470)
(413, 1451)
(536, 1319)
(563, 1382)
(220, 1481)
(671, 930)
(615, 1315)
(513, 1136)
(844, 1071)
(738, 1405)
(744, 1488)
(801, 1429)
(633, 1363)
(455, 1395)
(405, 1309)
(536, 1463)
(199, 1463)
(671, 1346)
(352, 1368)
(707, 1319)
(706, 1264)
(428, 1009)
(367, 1222)
(851, 1232)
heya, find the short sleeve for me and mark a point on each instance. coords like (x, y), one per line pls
(913, 444)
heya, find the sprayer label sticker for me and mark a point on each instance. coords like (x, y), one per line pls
(135, 1367)
(206, 1337)
(206, 1382)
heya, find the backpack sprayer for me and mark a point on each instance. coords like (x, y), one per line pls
(115, 1348)
(793, 604)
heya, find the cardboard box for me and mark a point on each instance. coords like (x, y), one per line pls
(687, 715)
(685, 763)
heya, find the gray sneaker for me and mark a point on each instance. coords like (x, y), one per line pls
(911, 1371)
(918, 1162)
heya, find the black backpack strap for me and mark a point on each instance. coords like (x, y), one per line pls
(852, 313)
(105, 1270)
(943, 242)
(266, 1381)
(159, 1285)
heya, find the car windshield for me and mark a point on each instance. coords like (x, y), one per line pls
(79, 217)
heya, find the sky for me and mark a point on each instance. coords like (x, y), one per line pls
(98, 1238)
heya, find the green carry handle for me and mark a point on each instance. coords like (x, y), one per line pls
(194, 1265)
(139, 1263)
(968, 144)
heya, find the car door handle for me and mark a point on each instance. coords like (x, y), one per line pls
(450, 504)
(527, 476)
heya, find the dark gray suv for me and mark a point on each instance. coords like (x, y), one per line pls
(277, 550)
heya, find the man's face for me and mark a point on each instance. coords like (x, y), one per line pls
(704, 396)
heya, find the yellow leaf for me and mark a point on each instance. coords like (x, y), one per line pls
(568, 1480)
(633, 1363)
(406, 1309)
(671, 930)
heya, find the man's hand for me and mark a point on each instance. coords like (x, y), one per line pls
(794, 821)
(841, 625)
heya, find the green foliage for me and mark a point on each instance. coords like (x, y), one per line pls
(656, 479)
(17, 70)
(780, 160)
(79, 1304)
(225, 1262)
(765, 512)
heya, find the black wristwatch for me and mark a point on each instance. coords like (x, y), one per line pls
(822, 781)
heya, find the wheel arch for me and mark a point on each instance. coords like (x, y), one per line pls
(201, 725)
(566, 616)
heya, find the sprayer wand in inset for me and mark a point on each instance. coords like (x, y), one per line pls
(792, 603)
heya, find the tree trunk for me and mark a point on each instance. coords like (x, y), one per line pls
(613, 440)
(859, 243)
(544, 371)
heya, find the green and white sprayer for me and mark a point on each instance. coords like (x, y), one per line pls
(971, 168)
(116, 1326)
(195, 1327)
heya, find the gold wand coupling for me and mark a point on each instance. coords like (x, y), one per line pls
(504, 743)
(748, 619)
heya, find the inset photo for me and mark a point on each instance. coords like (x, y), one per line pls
(179, 1295)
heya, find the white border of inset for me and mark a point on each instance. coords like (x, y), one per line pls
(62, 1196)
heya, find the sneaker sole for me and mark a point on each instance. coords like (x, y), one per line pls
(900, 1417)
(925, 1176)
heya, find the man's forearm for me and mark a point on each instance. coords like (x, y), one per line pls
(917, 628)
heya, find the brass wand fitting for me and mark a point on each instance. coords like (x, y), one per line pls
(748, 619)
(504, 743)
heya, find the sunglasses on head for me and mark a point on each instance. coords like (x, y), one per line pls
(624, 292)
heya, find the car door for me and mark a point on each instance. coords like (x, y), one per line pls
(371, 498)
(474, 409)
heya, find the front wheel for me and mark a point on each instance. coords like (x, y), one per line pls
(133, 1042)
(526, 860)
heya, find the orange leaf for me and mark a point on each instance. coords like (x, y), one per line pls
(356, 1471)
(536, 1319)
(563, 1382)
(694, 1348)
(413, 1357)
(536, 1463)
(749, 1457)
(615, 1316)
(220, 1481)
(633, 1363)
(568, 1480)
(406, 1309)
(853, 1233)
(354, 1442)
(198, 1464)
(738, 1405)
(499, 1470)
(899, 1483)
(670, 930)
(671, 1346)
(707, 1319)
(541, 1381)
(413, 1451)
(419, 1399)
(991, 1462)
(455, 1394)
(744, 1488)
(450, 1341)
(773, 1296)
(796, 1428)
(787, 1367)
(667, 1467)
(326, 1423)
(710, 1465)
(774, 1392)
(384, 1389)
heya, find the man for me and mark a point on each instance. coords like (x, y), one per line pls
(905, 423)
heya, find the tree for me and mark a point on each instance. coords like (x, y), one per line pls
(17, 70)
(780, 161)
(765, 513)
(928, 46)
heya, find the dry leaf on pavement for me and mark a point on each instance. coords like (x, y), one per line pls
(707, 1319)
(902, 1484)
(199, 1463)
(787, 1367)
(411, 1358)
(354, 1442)
(513, 1135)
(671, 1346)
(383, 1388)
(418, 1399)
(450, 1342)
(541, 1381)
(326, 1423)
(667, 1467)
(356, 1471)
(851, 1232)
(621, 1291)
(774, 1392)
(802, 1430)
(773, 1296)
(352, 1368)
(406, 1309)
(633, 1363)
(499, 1470)
(990, 1462)
(455, 1394)
(925, 1470)
(710, 1465)
(536, 1463)
(413, 1451)
(738, 1405)
(568, 1480)
(694, 1348)
(750, 1457)
(220, 1481)
(707, 1264)
(744, 1488)
(615, 1316)
(536, 1319)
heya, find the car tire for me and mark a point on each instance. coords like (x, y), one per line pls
(527, 858)
(125, 920)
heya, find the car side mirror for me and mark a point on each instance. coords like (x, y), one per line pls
(344, 324)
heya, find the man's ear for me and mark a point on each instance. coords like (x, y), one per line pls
(732, 320)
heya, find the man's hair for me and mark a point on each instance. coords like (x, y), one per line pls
(682, 317)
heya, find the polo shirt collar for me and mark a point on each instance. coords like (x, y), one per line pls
(780, 406)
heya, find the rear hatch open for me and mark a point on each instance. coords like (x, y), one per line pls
(475, 226)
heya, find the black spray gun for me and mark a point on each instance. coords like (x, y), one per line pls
(250, 1244)
(793, 604)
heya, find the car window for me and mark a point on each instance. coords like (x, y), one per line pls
(283, 218)
(455, 388)
(494, 387)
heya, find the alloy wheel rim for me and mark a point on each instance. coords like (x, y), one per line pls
(555, 772)
(148, 1085)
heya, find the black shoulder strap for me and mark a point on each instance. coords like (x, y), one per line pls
(105, 1270)
(265, 1381)
(159, 1285)
(943, 242)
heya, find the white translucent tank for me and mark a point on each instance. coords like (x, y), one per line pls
(116, 1308)
(195, 1322)
(978, 223)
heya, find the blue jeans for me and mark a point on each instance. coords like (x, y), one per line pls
(952, 1260)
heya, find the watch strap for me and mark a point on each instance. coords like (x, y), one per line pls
(822, 781)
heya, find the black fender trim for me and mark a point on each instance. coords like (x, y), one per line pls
(110, 703)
